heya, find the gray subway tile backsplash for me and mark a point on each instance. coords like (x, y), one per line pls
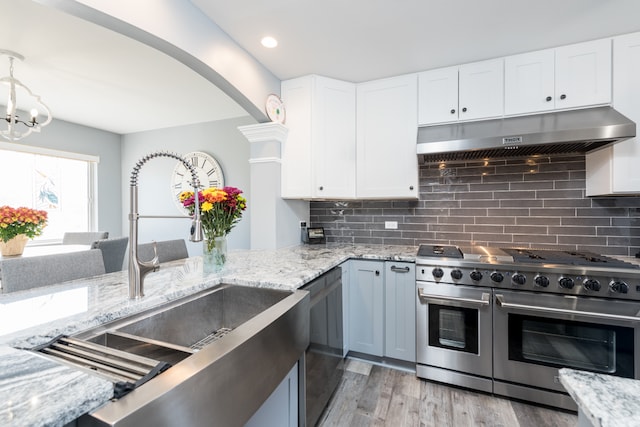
(516, 202)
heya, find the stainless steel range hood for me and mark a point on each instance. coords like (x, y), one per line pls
(575, 131)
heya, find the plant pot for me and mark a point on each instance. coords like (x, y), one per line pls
(214, 254)
(15, 246)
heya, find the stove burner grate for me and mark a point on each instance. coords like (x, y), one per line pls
(543, 256)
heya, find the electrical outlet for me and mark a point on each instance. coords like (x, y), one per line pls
(303, 224)
(391, 225)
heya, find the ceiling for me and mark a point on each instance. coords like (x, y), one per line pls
(360, 40)
(92, 76)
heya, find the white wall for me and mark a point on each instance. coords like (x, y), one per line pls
(221, 139)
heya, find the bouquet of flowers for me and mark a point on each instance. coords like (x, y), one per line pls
(220, 209)
(15, 221)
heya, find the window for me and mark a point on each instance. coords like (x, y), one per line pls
(58, 182)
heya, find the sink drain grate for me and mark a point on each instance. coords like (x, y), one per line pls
(216, 335)
(126, 370)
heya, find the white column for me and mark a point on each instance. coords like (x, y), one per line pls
(275, 222)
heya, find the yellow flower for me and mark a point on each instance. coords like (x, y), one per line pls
(206, 206)
(185, 195)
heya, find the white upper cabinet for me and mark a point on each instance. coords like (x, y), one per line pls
(583, 74)
(611, 170)
(567, 77)
(318, 157)
(481, 90)
(438, 96)
(386, 135)
(466, 92)
(529, 82)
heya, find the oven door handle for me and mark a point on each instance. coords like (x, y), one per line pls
(466, 301)
(603, 316)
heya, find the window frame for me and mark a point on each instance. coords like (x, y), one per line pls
(92, 178)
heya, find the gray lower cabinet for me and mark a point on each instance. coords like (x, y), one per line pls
(366, 307)
(400, 313)
(381, 309)
(281, 408)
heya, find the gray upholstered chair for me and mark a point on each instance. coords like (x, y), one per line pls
(83, 237)
(19, 274)
(168, 250)
(113, 251)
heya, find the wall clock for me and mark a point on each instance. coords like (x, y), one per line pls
(275, 109)
(207, 168)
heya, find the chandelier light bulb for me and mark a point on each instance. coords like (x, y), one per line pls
(34, 113)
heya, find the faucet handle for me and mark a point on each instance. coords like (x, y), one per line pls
(155, 260)
(154, 263)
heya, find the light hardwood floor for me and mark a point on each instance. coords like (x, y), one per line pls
(372, 395)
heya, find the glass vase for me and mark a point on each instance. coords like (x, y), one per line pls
(14, 246)
(214, 254)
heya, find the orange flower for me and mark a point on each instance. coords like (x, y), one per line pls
(22, 220)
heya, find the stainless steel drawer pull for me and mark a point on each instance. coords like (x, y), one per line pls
(400, 269)
(469, 301)
(500, 301)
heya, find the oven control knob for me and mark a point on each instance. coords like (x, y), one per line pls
(437, 273)
(591, 285)
(456, 274)
(541, 281)
(519, 279)
(566, 282)
(497, 277)
(476, 276)
(618, 287)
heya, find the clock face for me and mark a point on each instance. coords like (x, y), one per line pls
(207, 168)
(275, 109)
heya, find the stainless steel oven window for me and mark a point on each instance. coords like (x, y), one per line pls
(455, 328)
(565, 343)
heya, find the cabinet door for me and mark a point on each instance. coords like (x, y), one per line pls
(529, 82)
(481, 90)
(296, 170)
(366, 307)
(334, 139)
(608, 169)
(281, 408)
(583, 74)
(438, 96)
(346, 274)
(400, 312)
(387, 123)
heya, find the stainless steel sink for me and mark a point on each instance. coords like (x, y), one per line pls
(230, 347)
(195, 322)
(141, 347)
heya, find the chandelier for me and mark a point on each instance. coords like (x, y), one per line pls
(17, 127)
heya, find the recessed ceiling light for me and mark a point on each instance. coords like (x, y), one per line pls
(269, 42)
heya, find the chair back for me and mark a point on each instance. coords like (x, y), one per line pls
(18, 274)
(168, 250)
(83, 237)
(113, 251)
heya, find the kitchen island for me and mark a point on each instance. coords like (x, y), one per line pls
(32, 318)
(603, 400)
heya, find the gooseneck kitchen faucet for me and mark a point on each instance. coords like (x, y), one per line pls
(139, 269)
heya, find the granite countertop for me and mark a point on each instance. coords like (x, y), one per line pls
(34, 317)
(605, 400)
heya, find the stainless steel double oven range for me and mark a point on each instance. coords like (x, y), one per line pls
(505, 321)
